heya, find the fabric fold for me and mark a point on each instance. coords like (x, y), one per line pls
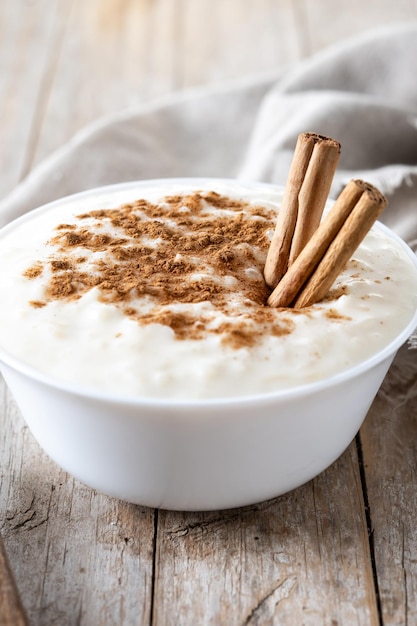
(361, 92)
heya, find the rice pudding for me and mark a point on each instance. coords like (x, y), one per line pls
(157, 291)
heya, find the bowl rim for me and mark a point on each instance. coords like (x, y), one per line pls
(258, 399)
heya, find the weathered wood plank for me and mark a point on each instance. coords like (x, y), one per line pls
(300, 559)
(116, 54)
(329, 22)
(78, 557)
(81, 558)
(230, 40)
(389, 441)
(11, 609)
(119, 54)
(29, 34)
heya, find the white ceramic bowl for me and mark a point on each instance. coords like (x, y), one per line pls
(199, 455)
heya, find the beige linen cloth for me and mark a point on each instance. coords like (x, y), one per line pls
(362, 92)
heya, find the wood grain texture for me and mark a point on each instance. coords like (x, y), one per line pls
(326, 23)
(245, 38)
(81, 558)
(11, 608)
(300, 559)
(29, 34)
(389, 441)
(77, 556)
(116, 55)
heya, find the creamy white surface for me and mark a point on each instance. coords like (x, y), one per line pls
(95, 345)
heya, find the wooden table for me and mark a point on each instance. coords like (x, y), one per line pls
(341, 549)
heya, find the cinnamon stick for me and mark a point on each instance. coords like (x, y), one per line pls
(368, 208)
(308, 185)
(303, 267)
(310, 277)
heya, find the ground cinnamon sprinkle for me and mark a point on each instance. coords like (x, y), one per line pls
(34, 271)
(188, 249)
(37, 304)
(332, 314)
